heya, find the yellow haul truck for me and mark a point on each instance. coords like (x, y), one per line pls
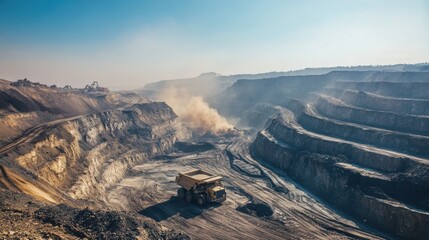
(200, 186)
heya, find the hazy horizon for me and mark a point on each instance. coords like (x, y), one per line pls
(126, 44)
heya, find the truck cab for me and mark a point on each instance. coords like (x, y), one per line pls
(201, 187)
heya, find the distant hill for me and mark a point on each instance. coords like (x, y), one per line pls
(246, 93)
(210, 84)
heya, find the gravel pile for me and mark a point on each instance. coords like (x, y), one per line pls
(258, 209)
(101, 224)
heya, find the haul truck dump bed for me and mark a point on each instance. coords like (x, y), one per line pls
(200, 186)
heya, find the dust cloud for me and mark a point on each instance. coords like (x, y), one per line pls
(195, 112)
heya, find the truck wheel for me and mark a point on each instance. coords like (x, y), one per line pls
(201, 200)
(181, 193)
(188, 196)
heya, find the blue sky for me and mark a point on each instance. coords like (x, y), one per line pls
(125, 44)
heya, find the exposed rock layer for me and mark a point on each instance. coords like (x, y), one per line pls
(84, 156)
(366, 194)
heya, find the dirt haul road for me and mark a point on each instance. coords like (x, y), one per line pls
(261, 203)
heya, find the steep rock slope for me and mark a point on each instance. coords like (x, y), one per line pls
(85, 155)
(74, 156)
(22, 107)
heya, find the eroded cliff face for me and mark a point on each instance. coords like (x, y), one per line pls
(23, 107)
(84, 156)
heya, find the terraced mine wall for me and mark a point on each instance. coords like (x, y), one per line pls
(380, 76)
(387, 120)
(364, 184)
(381, 103)
(372, 159)
(86, 155)
(416, 90)
(359, 140)
(409, 143)
(362, 196)
(244, 94)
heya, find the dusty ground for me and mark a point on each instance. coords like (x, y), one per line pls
(22, 217)
(17, 219)
(254, 189)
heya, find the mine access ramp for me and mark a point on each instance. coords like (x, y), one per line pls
(201, 187)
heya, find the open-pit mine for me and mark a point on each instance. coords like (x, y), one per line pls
(340, 155)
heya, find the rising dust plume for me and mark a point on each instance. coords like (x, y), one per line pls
(195, 112)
